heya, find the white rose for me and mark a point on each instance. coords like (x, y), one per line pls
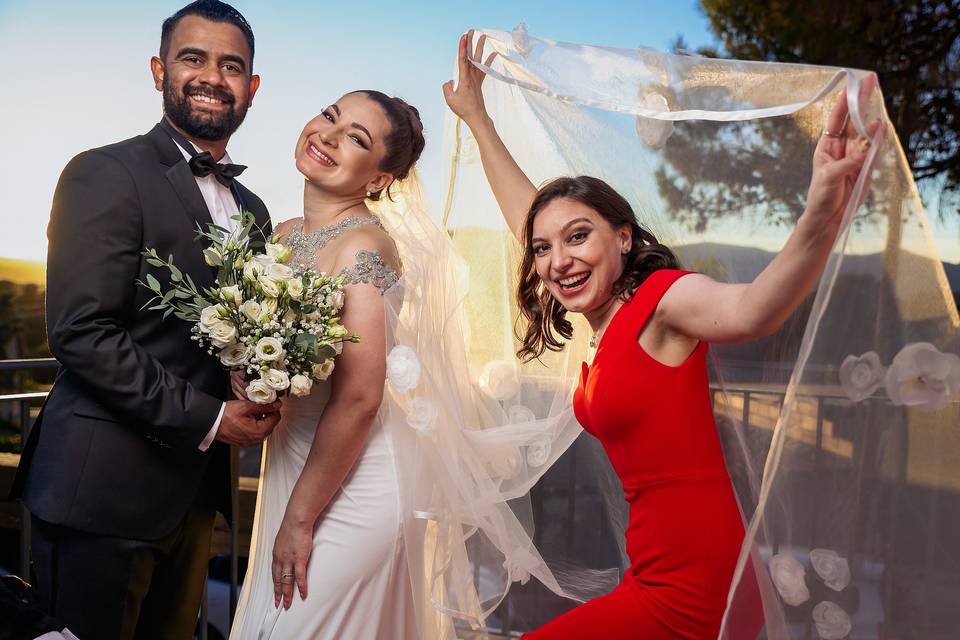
(260, 392)
(209, 317)
(269, 286)
(403, 368)
(538, 451)
(267, 308)
(519, 564)
(336, 300)
(421, 414)
(263, 261)
(520, 413)
(279, 272)
(232, 294)
(832, 622)
(499, 380)
(269, 349)
(300, 385)
(295, 288)
(861, 375)
(920, 376)
(251, 269)
(235, 355)
(276, 379)
(323, 370)
(789, 579)
(251, 309)
(832, 567)
(278, 252)
(223, 334)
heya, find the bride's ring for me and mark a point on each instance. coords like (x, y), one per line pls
(831, 134)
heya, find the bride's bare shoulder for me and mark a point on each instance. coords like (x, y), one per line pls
(284, 228)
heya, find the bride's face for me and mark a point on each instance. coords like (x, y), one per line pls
(340, 151)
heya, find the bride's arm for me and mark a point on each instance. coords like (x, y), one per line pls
(355, 397)
(511, 187)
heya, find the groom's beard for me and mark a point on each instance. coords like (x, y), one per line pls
(198, 124)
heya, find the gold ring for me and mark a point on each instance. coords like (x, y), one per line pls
(831, 134)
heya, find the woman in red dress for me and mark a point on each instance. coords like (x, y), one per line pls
(584, 252)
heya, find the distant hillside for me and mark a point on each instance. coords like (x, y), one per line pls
(22, 271)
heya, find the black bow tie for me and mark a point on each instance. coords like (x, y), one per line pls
(203, 165)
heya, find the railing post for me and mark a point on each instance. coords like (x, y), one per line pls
(25, 532)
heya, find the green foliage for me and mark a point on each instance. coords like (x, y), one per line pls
(913, 45)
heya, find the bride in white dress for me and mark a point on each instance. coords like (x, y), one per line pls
(327, 555)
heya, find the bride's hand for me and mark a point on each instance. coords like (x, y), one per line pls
(291, 554)
(238, 383)
(467, 99)
(838, 160)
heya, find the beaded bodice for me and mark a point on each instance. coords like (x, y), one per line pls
(370, 266)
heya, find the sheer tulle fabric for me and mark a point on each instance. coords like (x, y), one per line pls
(839, 430)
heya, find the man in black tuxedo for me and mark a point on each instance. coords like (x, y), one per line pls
(129, 459)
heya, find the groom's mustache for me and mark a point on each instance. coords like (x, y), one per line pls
(209, 92)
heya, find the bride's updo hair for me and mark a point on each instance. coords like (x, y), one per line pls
(545, 316)
(405, 142)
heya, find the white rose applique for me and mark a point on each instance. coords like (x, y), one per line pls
(789, 577)
(421, 415)
(832, 568)
(499, 380)
(653, 132)
(860, 376)
(923, 377)
(403, 368)
(538, 451)
(832, 622)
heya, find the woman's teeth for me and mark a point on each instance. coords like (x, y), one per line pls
(573, 281)
(320, 156)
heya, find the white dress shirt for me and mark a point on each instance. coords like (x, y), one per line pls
(222, 206)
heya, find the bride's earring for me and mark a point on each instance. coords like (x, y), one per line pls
(369, 194)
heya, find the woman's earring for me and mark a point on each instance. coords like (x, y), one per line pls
(369, 194)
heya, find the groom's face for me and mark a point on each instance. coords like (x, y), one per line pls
(205, 78)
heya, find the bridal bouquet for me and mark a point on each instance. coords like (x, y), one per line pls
(279, 324)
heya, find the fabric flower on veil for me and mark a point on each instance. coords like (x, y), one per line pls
(789, 577)
(499, 380)
(923, 377)
(403, 369)
(832, 568)
(832, 621)
(654, 133)
(860, 376)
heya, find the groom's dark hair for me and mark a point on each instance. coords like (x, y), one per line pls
(212, 10)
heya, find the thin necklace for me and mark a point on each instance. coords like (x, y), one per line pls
(598, 334)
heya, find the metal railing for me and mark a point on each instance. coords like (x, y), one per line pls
(744, 395)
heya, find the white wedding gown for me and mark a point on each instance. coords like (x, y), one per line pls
(358, 584)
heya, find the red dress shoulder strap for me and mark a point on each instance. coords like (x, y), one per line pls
(648, 296)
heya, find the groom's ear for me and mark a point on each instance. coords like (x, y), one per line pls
(157, 70)
(254, 85)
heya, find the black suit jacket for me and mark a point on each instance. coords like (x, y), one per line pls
(114, 450)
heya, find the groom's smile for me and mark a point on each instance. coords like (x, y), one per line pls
(206, 79)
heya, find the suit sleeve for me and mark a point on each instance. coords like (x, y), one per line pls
(95, 240)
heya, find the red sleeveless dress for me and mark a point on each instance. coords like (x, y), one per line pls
(685, 529)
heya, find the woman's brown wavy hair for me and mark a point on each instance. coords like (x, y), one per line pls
(545, 316)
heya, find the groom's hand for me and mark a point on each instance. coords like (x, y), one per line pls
(246, 423)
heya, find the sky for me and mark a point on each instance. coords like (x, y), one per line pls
(77, 77)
